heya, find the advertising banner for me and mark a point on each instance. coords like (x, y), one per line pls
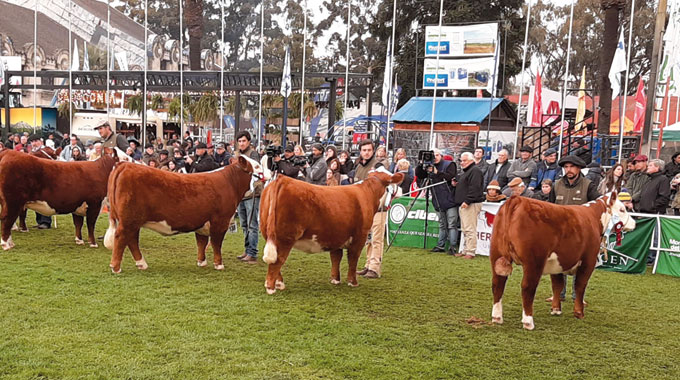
(411, 232)
(631, 255)
(461, 41)
(668, 262)
(460, 74)
(10, 63)
(485, 220)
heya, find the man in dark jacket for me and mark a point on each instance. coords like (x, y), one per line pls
(442, 172)
(249, 208)
(203, 162)
(480, 162)
(285, 164)
(673, 167)
(595, 174)
(221, 155)
(657, 192)
(498, 170)
(315, 172)
(546, 169)
(638, 180)
(469, 195)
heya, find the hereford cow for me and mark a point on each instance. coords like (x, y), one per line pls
(46, 153)
(52, 187)
(171, 203)
(311, 218)
(545, 238)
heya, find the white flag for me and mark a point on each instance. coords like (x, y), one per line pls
(618, 65)
(112, 64)
(121, 57)
(2, 71)
(386, 78)
(75, 60)
(86, 58)
(285, 80)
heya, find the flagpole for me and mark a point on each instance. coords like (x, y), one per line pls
(391, 89)
(35, 65)
(222, 74)
(146, 63)
(259, 109)
(302, 90)
(286, 92)
(181, 69)
(331, 107)
(70, 70)
(625, 85)
(493, 92)
(108, 53)
(436, 73)
(566, 76)
(521, 85)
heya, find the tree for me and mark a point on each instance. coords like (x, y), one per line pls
(204, 110)
(175, 107)
(194, 15)
(135, 104)
(611, 10)
(157, 102)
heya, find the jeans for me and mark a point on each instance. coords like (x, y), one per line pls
(563, 294)
(448, 228)
(249, 223)
(42, 219)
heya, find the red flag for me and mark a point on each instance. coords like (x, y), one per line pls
(480, 94)
(537, 112)
(209, 137)
(640, 108)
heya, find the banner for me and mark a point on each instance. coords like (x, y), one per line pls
(485, 220)
(460, 74)
(411, 232)
(461, 41)
(631, 255)
(669, 262)
(10, 63)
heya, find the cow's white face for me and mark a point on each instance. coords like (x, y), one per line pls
(258, 171)
(616, 213)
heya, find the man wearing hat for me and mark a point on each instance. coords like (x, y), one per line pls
(638, 180)
(149, 154)
(134, 144)
(163, 158)
(315, 172)
(285, 164)
(517, 187)
(626, 199)
(572, 189)
(202, 162)
(524, 167)
(36, 142)
(111, 139)
(546, 169)
(221, 155)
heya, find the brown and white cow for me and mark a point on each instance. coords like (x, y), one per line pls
(545, 238)
(311, 218)
(52, 187)
(171, 203)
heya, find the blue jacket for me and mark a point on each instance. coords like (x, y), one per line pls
(442, 195)
(543, 171)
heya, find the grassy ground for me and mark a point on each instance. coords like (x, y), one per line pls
(65, 316)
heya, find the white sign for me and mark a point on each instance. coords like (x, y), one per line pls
(460, 74)
(485, 220)
(497, 142)
(461, 41)
(10, 63)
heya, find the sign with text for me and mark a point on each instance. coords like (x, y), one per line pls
(668, 261)
(461, 41)
(631, 255)
(412, 223)
(460, 74)
(485, 220)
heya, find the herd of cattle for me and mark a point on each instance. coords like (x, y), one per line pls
(563, 239)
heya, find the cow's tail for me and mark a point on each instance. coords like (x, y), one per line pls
(113, 217)
(270, 252)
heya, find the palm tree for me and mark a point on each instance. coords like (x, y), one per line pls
(193, 12)
(205, 109)
(339, 110)
(174, 107)
(309, 109)
(64, 110)
(157, 102)
(135, 104)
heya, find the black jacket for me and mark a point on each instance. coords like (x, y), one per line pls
(470, 187)
(502, 176)
(442, 195)
(672, 169)
(222, 159)
(204, 163)
(655, 194)
(287, 168)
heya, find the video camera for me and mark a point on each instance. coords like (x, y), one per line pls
(274, 150)
(302, 160)
(426, 158)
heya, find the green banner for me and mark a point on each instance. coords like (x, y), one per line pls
(631, 255)
(669, 262)
(411, 232)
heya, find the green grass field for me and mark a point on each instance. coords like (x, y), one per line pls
(65, 316)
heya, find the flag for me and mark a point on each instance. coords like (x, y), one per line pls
(640, 108)
(112, 64)
(121, 58)
(618, 65)
(208, 138)
(537, 112)
(86, 58)
(285, 80)
(2, 71)
(480, 93)
(75, 60)
(581, 108)
(386, 78)
(396, 91)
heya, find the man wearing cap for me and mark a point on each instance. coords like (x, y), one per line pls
(285, 164)
(202, 162)
(524, 167)
(36, 142)
(111, 139)
(546, 169)
(626, 199)
(315, 172)
(249, 208)
(149, 154)
(517, 187)
(638, 180)
(163, 158)
(221, 155)
(572, 189)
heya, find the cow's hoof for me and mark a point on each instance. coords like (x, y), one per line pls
(79, 241)
(6, 247)
(141, 264)
(94, 245)
(353, 285)
(23, 230)
(498, 320)
(202, 263)
(555, 312)
(219, 267)
(578, 315)
(15, 227)
(335, 282)
(528, 326)
(527, 322)
(271, 291)
(114, 271)
(279, 285)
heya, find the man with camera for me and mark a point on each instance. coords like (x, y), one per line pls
(440, 172)
(202, 162)
(249, 208)
(315, 169)
(286, 165)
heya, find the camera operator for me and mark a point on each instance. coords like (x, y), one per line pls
(439, 170)
(315, 169)
(202, 162)
(286, 165)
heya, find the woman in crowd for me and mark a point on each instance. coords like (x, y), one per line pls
(546, 188)
(613, 180)
(298, 150)
(399, 155)
(97, 152)
(675, 185)
(381, 155)
(404, 166)
(333, 176)
(493, 192)
(77, 154)
(331, 154)
(153, 163)
(346, 165)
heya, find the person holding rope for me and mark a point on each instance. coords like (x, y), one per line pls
(249, 208)
(442, 172)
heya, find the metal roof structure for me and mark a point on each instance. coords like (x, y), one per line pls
(447, 110)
